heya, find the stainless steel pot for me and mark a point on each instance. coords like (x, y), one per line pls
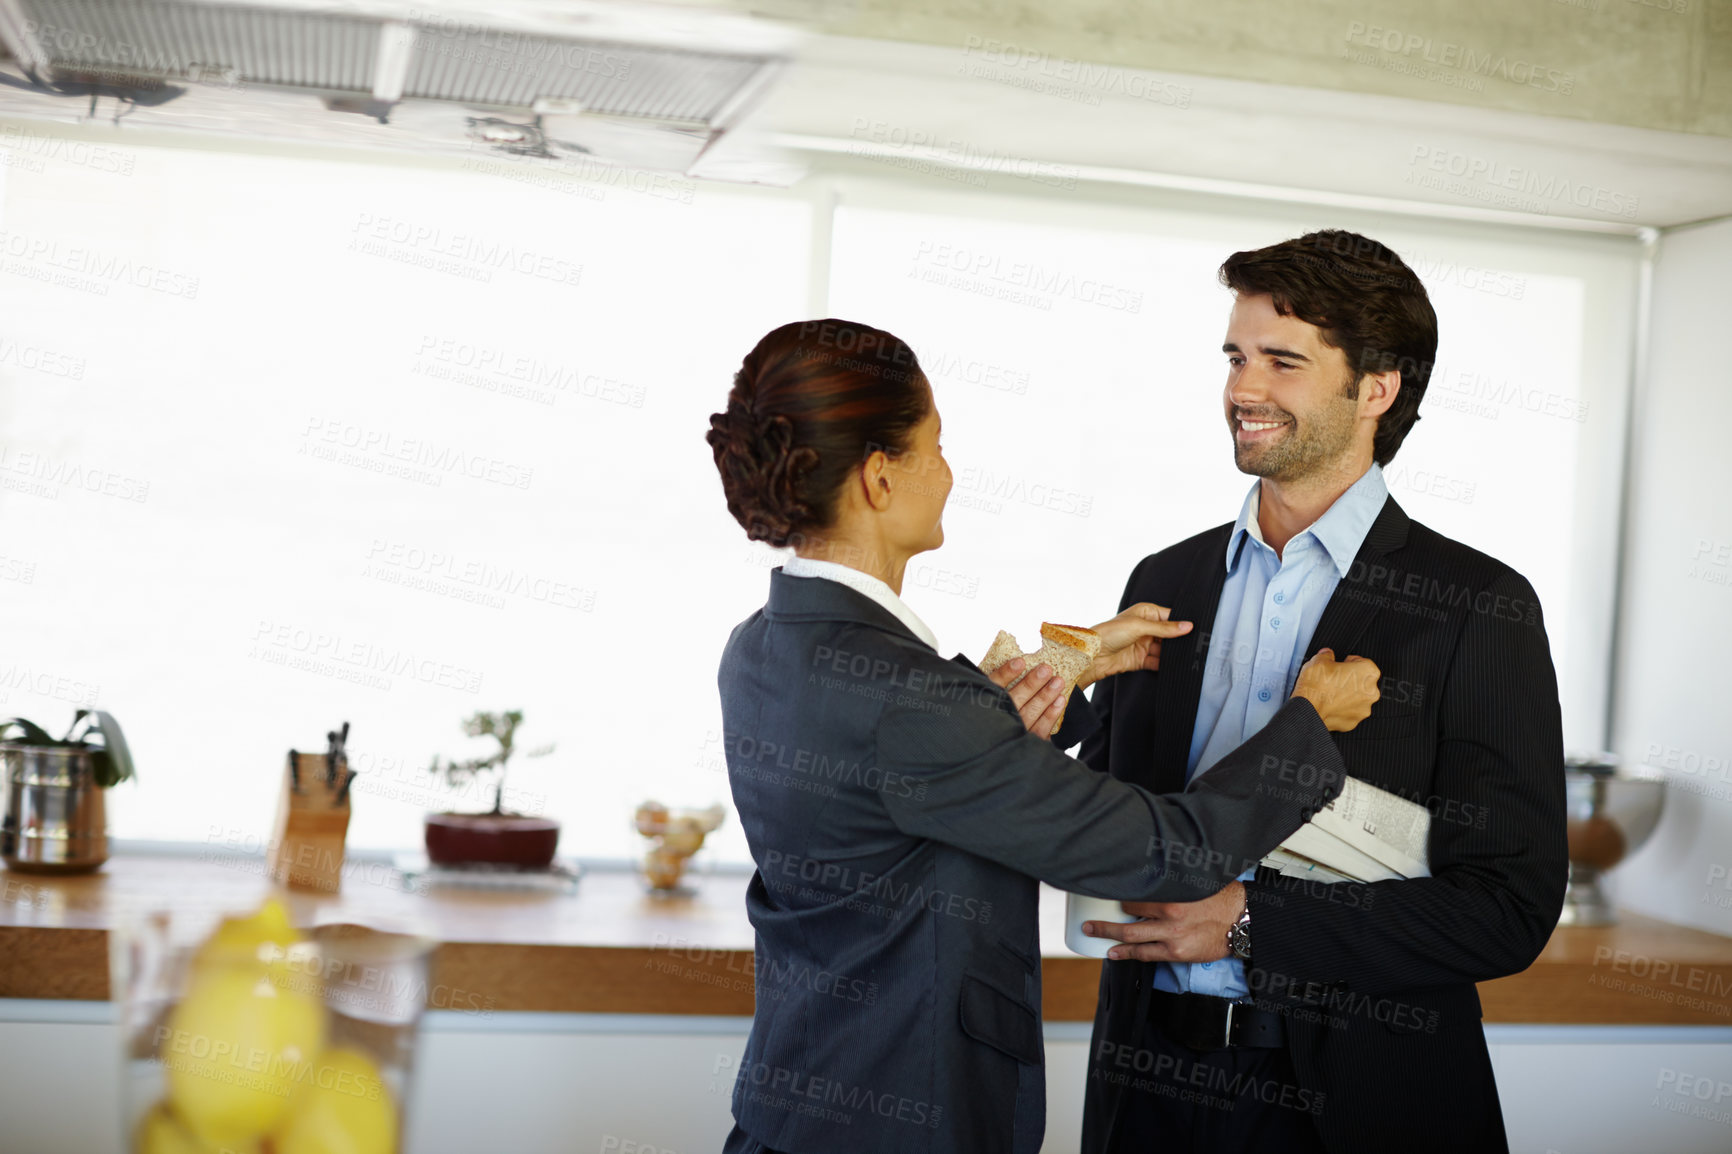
(1610, 813)
(56, 820)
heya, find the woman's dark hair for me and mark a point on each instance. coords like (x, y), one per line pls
(810, 403)
(1367, 303)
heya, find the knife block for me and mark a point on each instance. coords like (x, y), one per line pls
(312, 824)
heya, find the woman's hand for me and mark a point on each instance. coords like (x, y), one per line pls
(1342, 692)
(1132, 640)
(1036, 697)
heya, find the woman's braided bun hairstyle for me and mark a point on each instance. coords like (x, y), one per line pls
(809, 405)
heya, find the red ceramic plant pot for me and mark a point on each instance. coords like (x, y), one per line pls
(505, 839)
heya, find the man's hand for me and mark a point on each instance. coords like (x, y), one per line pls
(1342, 692)
(1174, 931)
(1037, 697)
(1132, 640)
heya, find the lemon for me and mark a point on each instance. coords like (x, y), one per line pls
(343, 1106)
(160, 1132)
(235, 1047)
(263, 937)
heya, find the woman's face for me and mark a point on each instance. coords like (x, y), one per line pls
(923, 485)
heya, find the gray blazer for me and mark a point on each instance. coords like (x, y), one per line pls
(900, 817)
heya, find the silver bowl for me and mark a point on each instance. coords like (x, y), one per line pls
(1611, 814)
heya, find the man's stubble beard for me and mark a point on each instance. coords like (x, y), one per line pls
(1303, 451)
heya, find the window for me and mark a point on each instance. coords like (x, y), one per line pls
(287, 442)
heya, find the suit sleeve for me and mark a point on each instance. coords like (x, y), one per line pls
(982, 783)
(1497, 849)
(1081, 720)
(1089, 719)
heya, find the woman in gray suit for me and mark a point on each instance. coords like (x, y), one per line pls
(898, 808)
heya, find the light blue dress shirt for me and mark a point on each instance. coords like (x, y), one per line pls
(1269, 608)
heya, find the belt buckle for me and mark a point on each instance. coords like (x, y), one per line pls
(1227, 1028)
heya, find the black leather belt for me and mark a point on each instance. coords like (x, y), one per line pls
(1204, 1023)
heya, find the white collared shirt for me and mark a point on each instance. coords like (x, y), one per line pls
(798, 566)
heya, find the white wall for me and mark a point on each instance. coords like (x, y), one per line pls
(1676, 631)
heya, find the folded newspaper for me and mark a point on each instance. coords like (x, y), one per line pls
(1365, 835)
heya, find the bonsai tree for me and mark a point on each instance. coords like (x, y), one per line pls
(502, 727)
(111, 763)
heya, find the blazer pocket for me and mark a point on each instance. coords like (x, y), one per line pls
(1028, 960)
(1383, 726)
(992, 1016)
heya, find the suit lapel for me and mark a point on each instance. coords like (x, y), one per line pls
(1356, 599)
(1179, 685)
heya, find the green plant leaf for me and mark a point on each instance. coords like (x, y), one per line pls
(114, 764)
(33, 734)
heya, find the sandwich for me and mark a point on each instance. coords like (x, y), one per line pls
(1070, 650)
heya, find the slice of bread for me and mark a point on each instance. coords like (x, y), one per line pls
(1068, 649)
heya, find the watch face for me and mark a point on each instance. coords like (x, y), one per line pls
(1239, 940)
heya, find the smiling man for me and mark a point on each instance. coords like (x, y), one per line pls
(1283, 1014)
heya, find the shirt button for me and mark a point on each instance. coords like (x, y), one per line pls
(1280, 598)
(1208, 965)
(1263, 695)
(1274, 623)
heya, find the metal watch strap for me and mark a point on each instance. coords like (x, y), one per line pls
(1239, 936)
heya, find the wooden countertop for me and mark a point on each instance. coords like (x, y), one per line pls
(612, 948)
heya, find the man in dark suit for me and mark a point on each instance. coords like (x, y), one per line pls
(1282, 1014)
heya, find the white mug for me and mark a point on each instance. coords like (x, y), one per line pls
(1077, 910)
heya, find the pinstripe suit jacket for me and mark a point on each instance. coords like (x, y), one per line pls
(900, 816)
(1378, 980)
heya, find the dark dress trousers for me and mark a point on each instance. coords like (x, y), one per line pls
(900, 815)
(1377, 981)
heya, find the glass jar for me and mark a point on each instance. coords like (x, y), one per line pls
(264, 1038)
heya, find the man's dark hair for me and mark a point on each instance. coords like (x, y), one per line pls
(1367, 303)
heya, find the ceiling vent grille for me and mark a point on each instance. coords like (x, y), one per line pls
(168, 41)
(154, 41)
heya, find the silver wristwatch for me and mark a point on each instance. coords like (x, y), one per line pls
(1239, 936)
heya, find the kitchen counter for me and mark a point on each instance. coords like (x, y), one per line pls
(611, 948)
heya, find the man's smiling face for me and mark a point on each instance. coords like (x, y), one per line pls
(1291, 403)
